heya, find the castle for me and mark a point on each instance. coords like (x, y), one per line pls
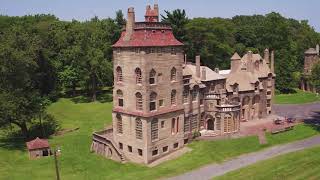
(311, 57)
(160, 100)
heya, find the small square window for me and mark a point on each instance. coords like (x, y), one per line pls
(185, 141)
(175, 145)
(154, 152)
(120, 102)
(161, 102)
(130, 148)
(165, 149)
(120, 145)
(162, 124)
(140, 152)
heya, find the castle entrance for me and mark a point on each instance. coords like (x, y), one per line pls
(210, 124)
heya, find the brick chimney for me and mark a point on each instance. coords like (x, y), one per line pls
(272, 61)
(203, 74)
(130, 24)
(317, 49)
(250, 64)
(198, 66)
(266, 56)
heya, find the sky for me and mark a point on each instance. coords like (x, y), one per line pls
(84, 10)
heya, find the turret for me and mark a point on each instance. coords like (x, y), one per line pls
(272, 61)
(152, 15)
(235, 62)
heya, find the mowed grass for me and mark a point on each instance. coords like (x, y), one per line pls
(300, 97)
(297, 165)
(76, 162)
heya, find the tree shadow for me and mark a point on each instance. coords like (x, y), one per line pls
(14, 139)
(103, 96)
(314, 120)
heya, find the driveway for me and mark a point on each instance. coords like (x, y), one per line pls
(300, 111)
(213, 170)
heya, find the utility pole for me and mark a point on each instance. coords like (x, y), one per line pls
(56, 164)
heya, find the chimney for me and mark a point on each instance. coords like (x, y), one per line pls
(272, 61)
(266, 56)
(198, 66)
(130, 24)
(156, 10)
(185, 58)
(152, 15)
(250, 62)
(203, 74)
(216, 70)
(317, 48)
(235, 62)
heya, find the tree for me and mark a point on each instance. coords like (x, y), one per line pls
(315, 76)
(178, 20)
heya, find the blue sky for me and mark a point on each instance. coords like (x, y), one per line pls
(82, 10)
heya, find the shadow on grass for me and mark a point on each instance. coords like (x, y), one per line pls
(14, 139)
(103, 96)
(314, 120)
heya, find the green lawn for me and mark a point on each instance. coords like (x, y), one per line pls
(76, 162)
(297, 165)
(300, 97)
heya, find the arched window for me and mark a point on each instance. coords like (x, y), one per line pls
(139, 101)
(154, 129)
(119, 77)
(138, 128)
(120, 98)
(119, 124)
(173, 125)
(152, 77)
(153, 100)
(173, 74)
(185, 95)
(173, 97)
(138, 76)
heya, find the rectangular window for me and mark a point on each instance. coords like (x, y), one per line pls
(194, 122)
(161, 102)
(120, 145)
(154, 152)
(130, 148)
(173, 51)
(119, 126)
(154, 129)
(162, 124)
(194, 95)
(120, 101)
(152, 106)
(175, 145)
(140, 152)
(268, 92)
(165, 149)
(186, 124)
(173, 126)
(185, 96)
(185, 141)
(268, 103)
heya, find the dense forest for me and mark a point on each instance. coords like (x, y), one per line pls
(43, 58)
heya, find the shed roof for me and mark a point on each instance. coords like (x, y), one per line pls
(37, 144)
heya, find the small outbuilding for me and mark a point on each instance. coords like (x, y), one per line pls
(38, 148)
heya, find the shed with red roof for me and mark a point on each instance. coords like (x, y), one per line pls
(38, 148)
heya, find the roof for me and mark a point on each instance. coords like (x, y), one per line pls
(235, 57)
(225, 72)
(244, 79)
(210, 74)
(37, 144)
(311, 51)
(147, 37)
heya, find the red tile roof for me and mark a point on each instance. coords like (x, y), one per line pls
(37, 144)
(148, 38)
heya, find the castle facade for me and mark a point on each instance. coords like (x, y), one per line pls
(160, 100)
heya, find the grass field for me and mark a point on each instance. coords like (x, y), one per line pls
(76, 162)
(298, 165)
(300, 97)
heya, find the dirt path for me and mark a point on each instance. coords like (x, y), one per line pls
(214, 170)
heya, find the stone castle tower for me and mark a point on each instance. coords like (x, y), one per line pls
(311, 57)
(148, 112)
